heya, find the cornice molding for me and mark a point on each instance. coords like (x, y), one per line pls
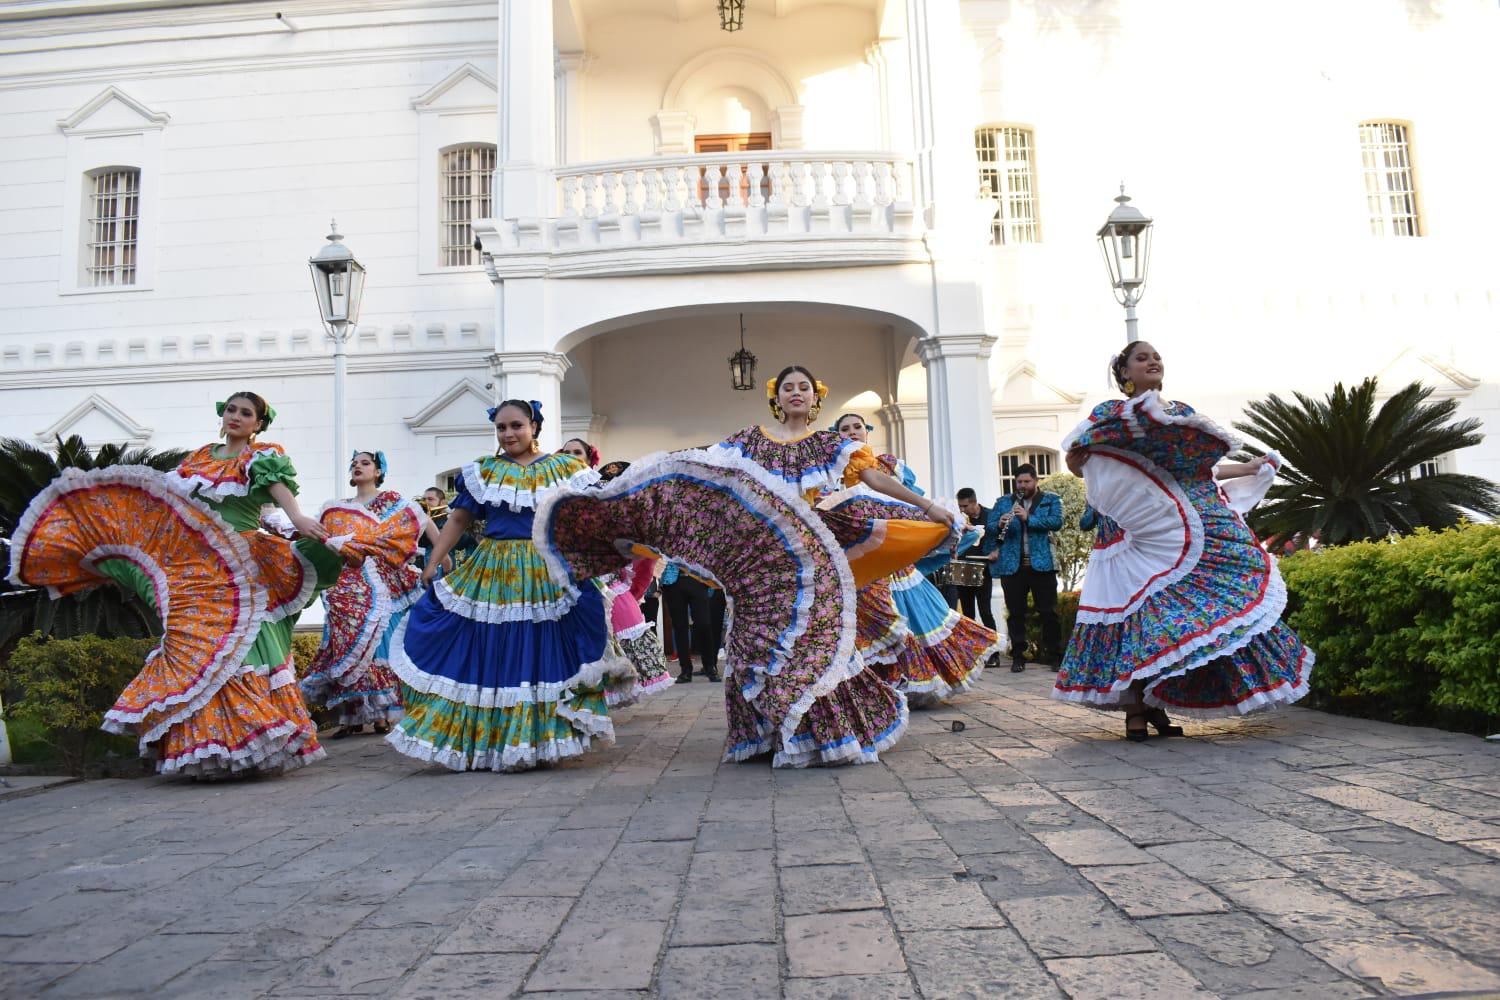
(421, 422)
(221, 368)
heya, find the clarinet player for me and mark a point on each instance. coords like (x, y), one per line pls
(1024, 522)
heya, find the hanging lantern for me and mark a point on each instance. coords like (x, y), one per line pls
(731, 14)
(742, 364)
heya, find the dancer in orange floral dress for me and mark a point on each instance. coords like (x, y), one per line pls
(219, 695)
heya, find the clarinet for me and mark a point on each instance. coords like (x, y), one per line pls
(1015, 500)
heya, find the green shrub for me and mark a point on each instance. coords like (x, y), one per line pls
(1407, 630)
(304, 648)
(64, 686)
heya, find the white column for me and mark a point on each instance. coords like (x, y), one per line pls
(571, 68)
(961, 413)
(523, 176)
(941, 68)
(534, 375)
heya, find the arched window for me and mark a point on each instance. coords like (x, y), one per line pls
(464, 195)
(1010, 461)
(1007, 172)
(1390, 183)
(112, 230)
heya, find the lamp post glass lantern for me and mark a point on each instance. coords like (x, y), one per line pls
(742, 364)
(1125, 242)
(731, 14)
(339, 283)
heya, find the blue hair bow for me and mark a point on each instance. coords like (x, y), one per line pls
(536, 411)
(490, 413)
(380, 462)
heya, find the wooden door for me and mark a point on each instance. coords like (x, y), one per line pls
(735, 143)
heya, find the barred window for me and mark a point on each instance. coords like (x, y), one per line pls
(113, 226)
(1012, 460)
(1007, 173)
(1390, 186)
(465, 196)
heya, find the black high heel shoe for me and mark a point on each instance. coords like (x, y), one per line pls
(1136, 734)
(1162, 723)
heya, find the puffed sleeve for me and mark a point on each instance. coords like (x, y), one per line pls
(267, 468)
(464, 500)
(859, 461)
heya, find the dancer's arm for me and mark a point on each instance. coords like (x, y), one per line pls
(1075, 459)
(457, 523)
(879, 481)
(430, 531)
(1234, 470)
(308, 526)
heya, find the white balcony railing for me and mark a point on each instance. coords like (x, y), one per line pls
(672, 213)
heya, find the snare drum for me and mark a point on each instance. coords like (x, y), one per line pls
(961, 573)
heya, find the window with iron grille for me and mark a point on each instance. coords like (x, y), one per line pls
(1007, 173)
(1390, 185)
(113, 226)
(465, 195)
(1012, 460)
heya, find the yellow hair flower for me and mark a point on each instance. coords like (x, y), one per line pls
(820, 388)
(771, 388)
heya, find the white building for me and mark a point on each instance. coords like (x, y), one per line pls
(900, 194)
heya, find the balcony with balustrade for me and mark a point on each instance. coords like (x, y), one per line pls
(656, 143)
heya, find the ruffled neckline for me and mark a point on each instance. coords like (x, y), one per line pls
(220, 478)
(814, 461)
(500, 481)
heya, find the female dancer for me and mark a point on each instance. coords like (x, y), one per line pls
(581, 450)
(943, 652)
(219, 695)
(506, 668)
(638, 640)
(1181, 608)
(739, 515)
(350, 673)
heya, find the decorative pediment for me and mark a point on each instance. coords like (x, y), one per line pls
(113, 110)
(459, 409)
(97, 421)
(1446, 380)
(1024, 391)
(466, 88)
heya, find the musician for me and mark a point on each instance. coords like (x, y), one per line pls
(986, 552)
(1023, 524)
(435, 501)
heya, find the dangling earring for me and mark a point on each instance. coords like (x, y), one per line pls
(1129, 387)
(778, 412)
(535, 447)
(812, 414)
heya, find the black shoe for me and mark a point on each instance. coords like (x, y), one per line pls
(992, 662)
(1017, 665)
(712, 675)
(1137, 733)
(686, 677)
(1162, 723)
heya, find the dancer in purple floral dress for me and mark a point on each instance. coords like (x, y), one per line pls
(739, 514)
(1181, 607)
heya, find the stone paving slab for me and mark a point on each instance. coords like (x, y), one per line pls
(1033, 854)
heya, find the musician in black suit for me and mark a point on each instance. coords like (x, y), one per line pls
(977, 599)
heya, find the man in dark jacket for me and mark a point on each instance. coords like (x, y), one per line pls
(1023, 522)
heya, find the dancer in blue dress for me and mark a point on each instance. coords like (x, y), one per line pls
(507, 668)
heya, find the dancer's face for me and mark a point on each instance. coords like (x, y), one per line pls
(363, 470)
(796, 395)
(240, 419)
(853, 427)
(513, 430)
(1144, 367)
(576, 449)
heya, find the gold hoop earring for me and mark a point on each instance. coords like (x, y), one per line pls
(778, 412)
(535, 447)
(1129, 387)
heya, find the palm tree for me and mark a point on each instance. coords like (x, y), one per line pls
(1348, 472)
(25, 470)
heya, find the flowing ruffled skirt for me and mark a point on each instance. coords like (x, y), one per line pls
(795, 685)
(1179, 597)
(219, 695)
(946, 652)
(636, 639)
(350, 674)
(506, 670)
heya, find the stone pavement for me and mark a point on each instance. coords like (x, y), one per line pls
(1034, 854)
